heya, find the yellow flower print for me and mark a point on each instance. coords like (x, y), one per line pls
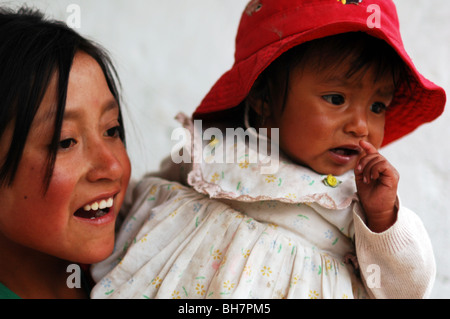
(246, 253)
(200, 289)
(228, 285)
(176, 294)
(174, 187)
(143, 239)
(217, 254)
(266, 271)
(272, 225)
(328, 264)
(344, 296)
(270, 178)
(244, 164)
(290, 196)
(215, 177)
(157, 282)
(153, 190)
(172, 214)
(295, 280)
(313, 294)
(247, 270)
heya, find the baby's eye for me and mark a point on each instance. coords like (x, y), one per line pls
(378, 107)
(113, 132)
(335, 99)
(67, 143)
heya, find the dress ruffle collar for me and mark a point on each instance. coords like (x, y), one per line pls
(242, 179)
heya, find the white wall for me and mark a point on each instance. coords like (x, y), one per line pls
(170, 52)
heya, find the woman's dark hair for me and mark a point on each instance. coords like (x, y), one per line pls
(32, 50)
(359, 49)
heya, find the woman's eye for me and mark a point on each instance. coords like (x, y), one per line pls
(335, 99)
(378, 107)
(67, 143)
(113, 132)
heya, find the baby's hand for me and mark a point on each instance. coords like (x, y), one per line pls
(376, 182)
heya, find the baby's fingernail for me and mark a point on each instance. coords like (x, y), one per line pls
(365, 180)
(358, 168)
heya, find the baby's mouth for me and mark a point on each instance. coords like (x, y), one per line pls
(95, 209)
(344, 151)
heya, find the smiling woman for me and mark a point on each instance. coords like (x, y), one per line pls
(64, 170)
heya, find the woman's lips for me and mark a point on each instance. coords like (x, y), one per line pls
(96, 209)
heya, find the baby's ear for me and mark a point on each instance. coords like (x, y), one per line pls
(260, 111)
(259, 105)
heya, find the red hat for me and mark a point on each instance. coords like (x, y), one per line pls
(269, 28)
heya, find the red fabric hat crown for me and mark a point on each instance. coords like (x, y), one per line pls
(269, 28)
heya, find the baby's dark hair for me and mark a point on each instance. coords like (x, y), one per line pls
(360, 50)
(32, 50)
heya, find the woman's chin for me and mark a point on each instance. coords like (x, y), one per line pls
(95, 253)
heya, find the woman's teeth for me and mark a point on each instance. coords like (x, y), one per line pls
(99, 205)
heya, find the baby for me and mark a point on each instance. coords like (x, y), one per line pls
(329, 90)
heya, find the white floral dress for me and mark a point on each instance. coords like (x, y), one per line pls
(236, 233)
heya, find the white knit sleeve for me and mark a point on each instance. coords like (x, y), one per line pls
(397, 263)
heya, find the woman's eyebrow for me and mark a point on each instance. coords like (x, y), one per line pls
(73, 114)
(108, 106)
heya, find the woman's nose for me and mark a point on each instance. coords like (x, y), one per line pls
(104, 163)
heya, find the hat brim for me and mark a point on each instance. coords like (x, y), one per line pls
(415, 103)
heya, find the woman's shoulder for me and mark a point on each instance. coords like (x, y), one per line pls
(6, 293)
